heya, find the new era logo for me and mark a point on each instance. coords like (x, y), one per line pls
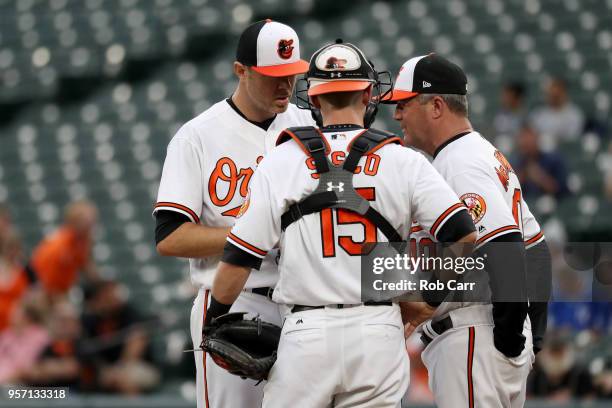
(426, 84)
(330, 186)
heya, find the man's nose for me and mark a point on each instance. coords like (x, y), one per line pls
(397, 115)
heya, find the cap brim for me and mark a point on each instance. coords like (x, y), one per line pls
(398, 95)
(338, 86)
(294, 68)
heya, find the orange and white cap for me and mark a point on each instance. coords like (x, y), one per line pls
(271, 48)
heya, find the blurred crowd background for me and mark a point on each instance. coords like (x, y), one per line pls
(91, 91)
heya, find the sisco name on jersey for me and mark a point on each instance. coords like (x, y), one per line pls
(337, 158)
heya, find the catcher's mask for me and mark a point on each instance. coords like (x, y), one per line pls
(342, 67)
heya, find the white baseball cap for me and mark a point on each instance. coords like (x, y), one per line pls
(271, 48)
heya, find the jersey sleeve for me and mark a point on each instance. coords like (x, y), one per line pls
(486, 203)
(433, 201)
(532, 232)
(181, 188)
(257, 228)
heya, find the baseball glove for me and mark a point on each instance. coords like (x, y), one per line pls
(246, 348)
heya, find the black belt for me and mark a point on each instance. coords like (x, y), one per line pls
(264, 291)
(438, 327)
(302, 308)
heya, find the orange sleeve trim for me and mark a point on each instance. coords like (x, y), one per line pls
(247, 245)
(180, 207)
(498, 231)
(443, 217)
(537, 237)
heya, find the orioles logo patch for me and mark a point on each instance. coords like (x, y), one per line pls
(335, 63)
(475, 204)
(285, 49)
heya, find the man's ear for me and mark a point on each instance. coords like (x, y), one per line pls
(438, 107)
(240, 70)
(314, 100)
(366, 96)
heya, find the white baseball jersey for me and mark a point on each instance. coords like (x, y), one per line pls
(320, 261)
(206, 175)
(489, 188)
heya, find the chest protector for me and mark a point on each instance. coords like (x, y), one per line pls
(335, 189)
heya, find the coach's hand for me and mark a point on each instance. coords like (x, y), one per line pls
(511, 344)
(413, 314)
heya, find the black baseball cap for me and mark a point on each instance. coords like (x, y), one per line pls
(427, 74)
(339, 67)
(271, 48)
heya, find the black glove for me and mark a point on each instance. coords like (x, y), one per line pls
(246, 348)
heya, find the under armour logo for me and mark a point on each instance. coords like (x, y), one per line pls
(426, 84)
(335, 74)
(300, 321)
(330, 186)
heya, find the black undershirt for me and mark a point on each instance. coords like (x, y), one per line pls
(456, 227)
(167, 222)
(263, 125)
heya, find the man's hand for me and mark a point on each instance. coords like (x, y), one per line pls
(413, 314)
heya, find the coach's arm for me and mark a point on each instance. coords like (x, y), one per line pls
(506, 266)
(539, 279)
(176, 235)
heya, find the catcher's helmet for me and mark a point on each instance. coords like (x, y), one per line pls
(341, 67)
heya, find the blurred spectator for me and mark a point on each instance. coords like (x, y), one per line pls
(14, 279)
(602, 377)
(5, 220)
(508, 120)
(24, 340)
(418, 391)
(61, 255)
(557, 375)
(539, 172)
(559, 119)
(605, 163)
(116, 332)
(58, 365)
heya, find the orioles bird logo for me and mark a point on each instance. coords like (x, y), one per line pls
(285, 49)
(504, 170)
(333, 63)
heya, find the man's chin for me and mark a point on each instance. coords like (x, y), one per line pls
(408, 139)
(280, 106)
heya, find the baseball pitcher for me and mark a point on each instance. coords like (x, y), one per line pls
(208, 168)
